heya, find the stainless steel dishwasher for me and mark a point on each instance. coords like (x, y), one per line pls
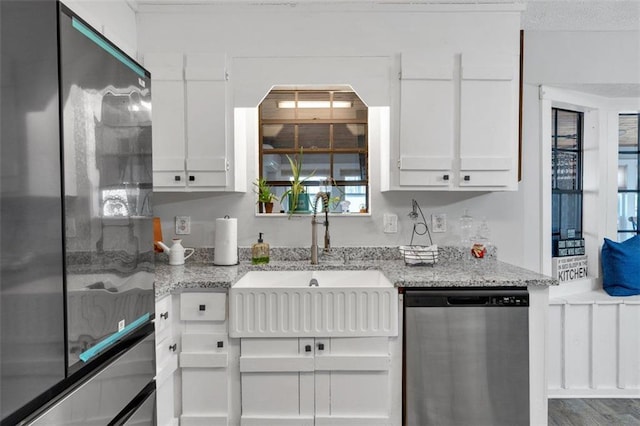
(466, 357)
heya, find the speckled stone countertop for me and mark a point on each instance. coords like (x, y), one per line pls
(452, 269)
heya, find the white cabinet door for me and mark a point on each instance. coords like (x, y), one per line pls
(204, 359)
(318, 381)
(277, 381)
(168, 129)
(191, 122)
(206, 94)
(443, 93)
(488, 121)
(166, 361)
(352, 381)
(426, 121)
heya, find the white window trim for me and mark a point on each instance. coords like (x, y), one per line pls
(600, 159)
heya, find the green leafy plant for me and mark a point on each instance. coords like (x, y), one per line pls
(297, 184)
(263, 190)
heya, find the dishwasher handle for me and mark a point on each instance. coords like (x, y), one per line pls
(462, 298)
(468, 300)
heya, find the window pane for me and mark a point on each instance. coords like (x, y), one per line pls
(278, 106)
(318, 166)
(567, 129)
(275, 167)
(628, 133)
(570, 215)
(554, 120)
(357, 111)
(314, 135)
(349, 167)
(555, 211)
(314, 105)
(628, 171)
(348, 136)
(278, 136)
(627, 211)
(623, 236)
(567, 170)
(554, 167)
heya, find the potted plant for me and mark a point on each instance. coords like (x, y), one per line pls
(265, 196)
(297, 197)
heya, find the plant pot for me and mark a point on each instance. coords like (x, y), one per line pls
(302, 205)
(260, 207)
(268, 207)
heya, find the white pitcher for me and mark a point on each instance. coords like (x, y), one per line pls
(176, 252)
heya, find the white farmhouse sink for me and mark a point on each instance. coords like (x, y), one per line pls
(300, 279)
(283, 304)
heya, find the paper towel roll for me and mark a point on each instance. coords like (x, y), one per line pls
(226, 241)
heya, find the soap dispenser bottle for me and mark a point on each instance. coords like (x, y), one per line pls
(260, 252)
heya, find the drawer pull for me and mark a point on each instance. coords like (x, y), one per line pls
(173, 347)
(307, 348)
(164, 315)
(220, 344)
(445, 177)
(467, 178)
(202, 308)
(176, 178)
(192, 178)
(321, 346)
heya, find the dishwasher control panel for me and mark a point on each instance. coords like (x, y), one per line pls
(509, 300)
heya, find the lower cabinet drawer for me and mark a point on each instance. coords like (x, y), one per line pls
(203, 306)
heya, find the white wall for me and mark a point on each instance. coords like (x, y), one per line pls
(115, 19)
(314, 31)
(594, 72)
(515, 218)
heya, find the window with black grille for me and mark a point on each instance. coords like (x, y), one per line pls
(566, 182)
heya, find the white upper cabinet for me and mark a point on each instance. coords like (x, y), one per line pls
(426, 121)
(192, 145)
(458, 126)
(488, 122)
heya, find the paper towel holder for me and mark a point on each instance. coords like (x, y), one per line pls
(224, 259)
(229, 264)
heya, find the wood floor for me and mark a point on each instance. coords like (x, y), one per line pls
(594, 412)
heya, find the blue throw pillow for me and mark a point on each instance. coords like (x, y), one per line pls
(621, 267)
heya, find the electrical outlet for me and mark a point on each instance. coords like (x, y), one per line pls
(390, 223)
(439, 222)
(183, 225)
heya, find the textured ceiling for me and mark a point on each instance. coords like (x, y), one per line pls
(547, 15)
(582, 15)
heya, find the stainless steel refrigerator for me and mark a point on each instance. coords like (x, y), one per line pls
(76, 286)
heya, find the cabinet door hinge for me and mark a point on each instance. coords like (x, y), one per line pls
(398, 164)
(227, 166)
(226, 75)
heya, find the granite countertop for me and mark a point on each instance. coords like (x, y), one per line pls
(450, 271)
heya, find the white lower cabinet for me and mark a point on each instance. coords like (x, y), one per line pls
(316, 381)
(204, 359)
(167, 337)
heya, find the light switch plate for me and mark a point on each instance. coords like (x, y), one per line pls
(183, 225)
(390, 223)
(439, 222)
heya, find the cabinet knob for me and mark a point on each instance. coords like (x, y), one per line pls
(307, 348)
(467, 178)
(321, 346)
(173, 347)
(192, 178)
(202, 308)
(164, 315)
(220, 344)
(445, 177)
(177, 178)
